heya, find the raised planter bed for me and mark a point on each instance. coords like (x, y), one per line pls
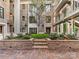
(51, 44)
(63, 45)
(16, 44)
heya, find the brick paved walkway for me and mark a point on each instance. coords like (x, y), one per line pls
(38, 54)
(39, 49)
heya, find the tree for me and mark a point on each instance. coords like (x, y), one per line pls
(40, 8)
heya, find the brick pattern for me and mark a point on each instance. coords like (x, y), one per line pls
(56, 50)
(16, 45)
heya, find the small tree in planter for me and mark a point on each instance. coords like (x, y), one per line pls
(40, 6)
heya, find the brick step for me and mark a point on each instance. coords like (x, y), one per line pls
(39, 43)
(35, 47)
(40, 40)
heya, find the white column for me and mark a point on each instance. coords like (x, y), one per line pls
(68, 28)
(61, 28)
(17, 16)
(28, 18)
(72, 26)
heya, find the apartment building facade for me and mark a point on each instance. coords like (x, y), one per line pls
(66, 15)
(4, 17)
(26, 18)
(18, 16)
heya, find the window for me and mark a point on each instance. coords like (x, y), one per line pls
(1, 12)
(23, 6)
(33, 30)
(48, 7)
(59, 28)
(0, 29)
(65, 28)
(32, 19)
(32, 10)
(11, 1)
(23, 18)
(48, 19)
(64, 12)
(48, 30)
(75, 4)
(58, 18)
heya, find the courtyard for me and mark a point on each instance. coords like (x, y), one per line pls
(38, 53)
(25, 50)
(39, 29)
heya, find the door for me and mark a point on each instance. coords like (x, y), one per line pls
(48, 30)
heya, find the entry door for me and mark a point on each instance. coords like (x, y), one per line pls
(48, 30)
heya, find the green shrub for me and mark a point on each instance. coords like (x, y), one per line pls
(71, 36)
(53, 36)
(19, 36)
(39, 36)
(56, 36)
(61, 36)
(10, 37)
(26, 37)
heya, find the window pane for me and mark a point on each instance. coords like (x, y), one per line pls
(32, 19)
(0, 29)
(1, 12)
(48, 19)
(33, 30)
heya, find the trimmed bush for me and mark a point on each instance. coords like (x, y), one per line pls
(39, 36)
(19, 37)
(61, 36)
(26, 37)
(53, 36)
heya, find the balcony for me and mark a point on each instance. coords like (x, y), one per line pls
(61, 4)
(69, 17)
(72, 15)
(59, 22)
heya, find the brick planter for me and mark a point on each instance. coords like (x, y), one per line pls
(60, 49)
(16, 44)
(63, 44)
(28, 44)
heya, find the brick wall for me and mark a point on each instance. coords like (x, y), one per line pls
(15, 44)
(63, 45)
(54, 45)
